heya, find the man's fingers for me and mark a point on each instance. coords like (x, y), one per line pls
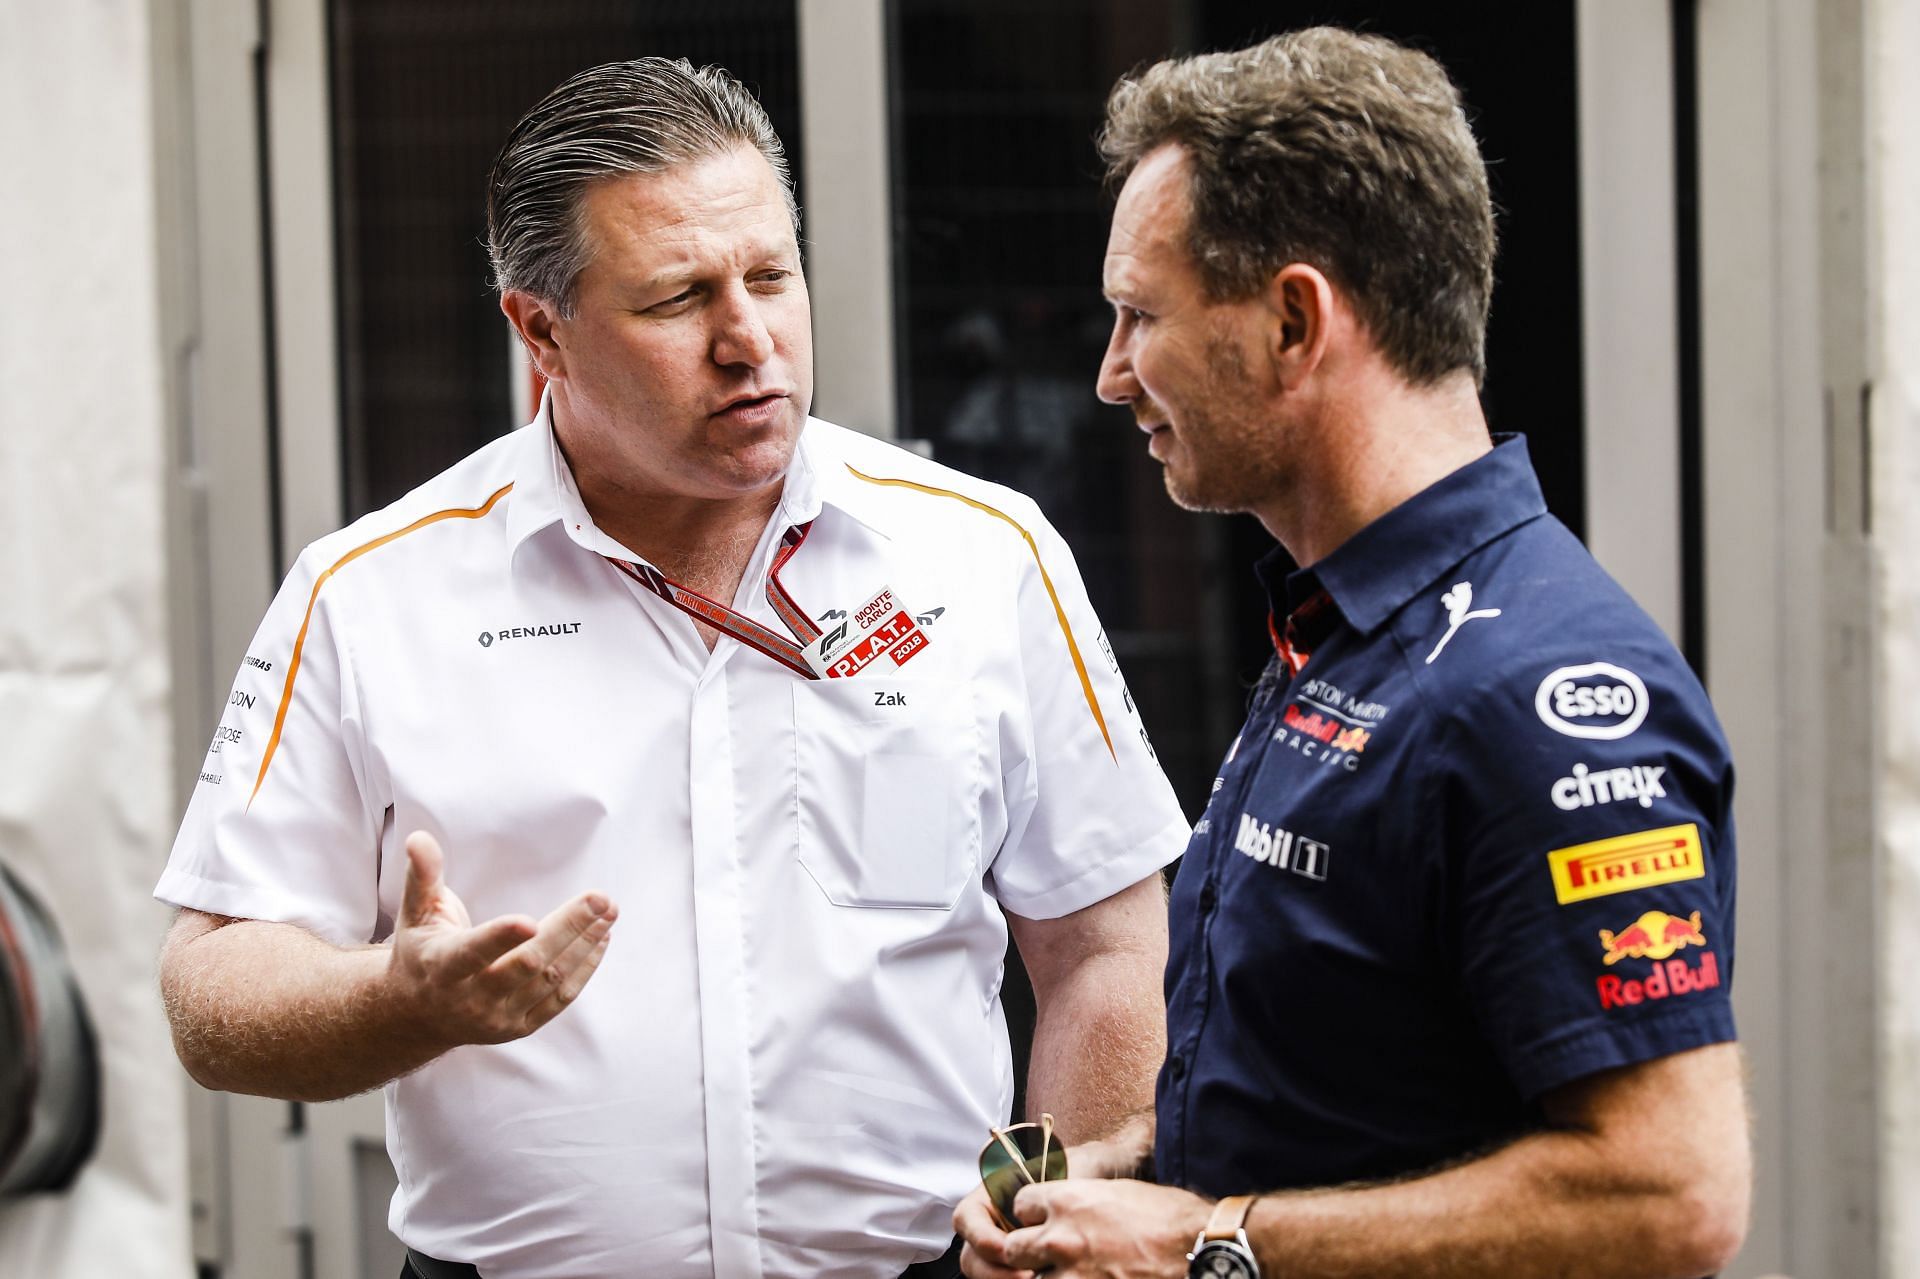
(488, 942)
(985, 1256)
(1026, 1250)
(975, 1265)
(426, 864)
(1032, 1204)
(973, 1221)
(568, 971)
(580, 968)
(1026, 1247)
(564, 926)
(552, 966)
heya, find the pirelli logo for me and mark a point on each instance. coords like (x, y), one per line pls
(1626, 862)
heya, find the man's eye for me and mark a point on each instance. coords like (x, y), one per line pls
(678, 300)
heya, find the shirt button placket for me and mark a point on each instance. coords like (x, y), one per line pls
(719, 909)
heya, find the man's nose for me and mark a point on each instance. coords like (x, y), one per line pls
(741, 336)
(1116, 383)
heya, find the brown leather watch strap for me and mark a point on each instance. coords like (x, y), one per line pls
(1229, 1217)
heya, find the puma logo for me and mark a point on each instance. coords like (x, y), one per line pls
(1458, 602)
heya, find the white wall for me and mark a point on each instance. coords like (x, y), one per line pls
(1893, 235)
(86, 798)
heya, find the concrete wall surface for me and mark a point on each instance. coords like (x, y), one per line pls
(86, 794)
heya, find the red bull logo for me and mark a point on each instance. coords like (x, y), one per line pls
(1654, 935)
(1666, 979)
(1314, 724)
(1322, 728)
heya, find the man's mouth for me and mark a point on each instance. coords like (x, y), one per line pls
(1150, 417)
(753, 406)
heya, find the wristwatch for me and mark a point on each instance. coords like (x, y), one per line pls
(1222, 1250)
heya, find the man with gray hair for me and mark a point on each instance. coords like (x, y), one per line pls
(1451, 946)
(824, 719)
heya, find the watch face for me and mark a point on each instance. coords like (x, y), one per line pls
(1222, 1259)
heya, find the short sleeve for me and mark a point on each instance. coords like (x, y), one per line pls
(1090, 811)
(1589, 802)
(280, 826)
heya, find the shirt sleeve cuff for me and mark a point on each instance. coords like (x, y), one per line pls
(251, 901)
(1101, 881)
(1590, 1049)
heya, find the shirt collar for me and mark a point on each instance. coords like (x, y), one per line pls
(544, 492)
(1377, 570)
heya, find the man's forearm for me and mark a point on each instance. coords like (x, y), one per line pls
(1101, 1030)
(272, 1010)
(1542, 1205)
(1097, 1046)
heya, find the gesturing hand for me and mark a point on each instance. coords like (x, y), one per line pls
(497, 981)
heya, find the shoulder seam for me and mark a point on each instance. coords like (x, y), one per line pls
(313, 597)
(1059, 611)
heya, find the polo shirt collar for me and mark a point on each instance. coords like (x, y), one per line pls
(821, 476)
(544, 492)
(1377, 570)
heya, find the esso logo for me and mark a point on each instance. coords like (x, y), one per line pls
(1598, 701)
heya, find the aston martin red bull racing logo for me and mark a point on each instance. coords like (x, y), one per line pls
(1339, 742)
(1654, 935)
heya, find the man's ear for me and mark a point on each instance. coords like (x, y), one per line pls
(534, 320)
(1299, 301)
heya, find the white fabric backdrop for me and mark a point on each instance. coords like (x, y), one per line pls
(86, 808)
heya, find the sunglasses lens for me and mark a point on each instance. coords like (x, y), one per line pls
(1040, 1160)
(1001, 1176)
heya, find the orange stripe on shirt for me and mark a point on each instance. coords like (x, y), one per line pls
(1059, 613)
(300, 640)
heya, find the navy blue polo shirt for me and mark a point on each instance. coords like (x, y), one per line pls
(1480, 846)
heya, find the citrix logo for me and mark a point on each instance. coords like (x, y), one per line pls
(1587, 787)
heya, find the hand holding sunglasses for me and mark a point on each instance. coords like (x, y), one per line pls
(1016, 1156)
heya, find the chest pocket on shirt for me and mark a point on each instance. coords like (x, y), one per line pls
(887, 777)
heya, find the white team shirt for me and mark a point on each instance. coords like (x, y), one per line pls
(788, 1060)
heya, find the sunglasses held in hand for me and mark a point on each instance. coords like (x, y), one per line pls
(1022, 1155)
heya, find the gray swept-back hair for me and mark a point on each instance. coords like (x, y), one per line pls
(1348, 152)
(642, 116)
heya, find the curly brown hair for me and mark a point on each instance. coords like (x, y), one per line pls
(1348, 152)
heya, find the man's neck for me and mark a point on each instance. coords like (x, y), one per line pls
(702, 543)
(672, 530)
(704, 547)
(1368, 453)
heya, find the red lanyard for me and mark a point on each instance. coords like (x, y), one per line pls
(741, 627)
(1293, 646)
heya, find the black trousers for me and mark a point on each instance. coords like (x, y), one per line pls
(946, 1266)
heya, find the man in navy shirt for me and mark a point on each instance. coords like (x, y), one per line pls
(1453, 942)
